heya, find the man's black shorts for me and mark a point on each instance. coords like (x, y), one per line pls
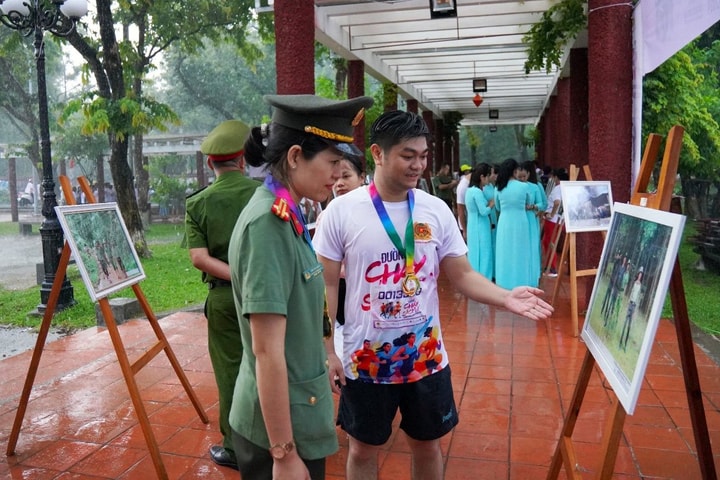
(427, 408)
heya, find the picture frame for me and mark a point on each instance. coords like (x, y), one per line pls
(587, 206)
(101, 245)
(628, 295)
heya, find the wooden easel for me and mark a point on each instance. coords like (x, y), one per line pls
(565, 452)
(129, 370)
(570, 248)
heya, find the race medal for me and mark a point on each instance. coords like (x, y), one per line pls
(411, 282)
(411, 285)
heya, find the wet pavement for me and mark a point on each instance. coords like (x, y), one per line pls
(19, 255)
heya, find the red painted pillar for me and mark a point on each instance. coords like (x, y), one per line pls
(561, 105)
(540, 143)
(550, 133)
(456, 152)
(439, 145)
(430, 168)
(610, 71)
(579, 105)
(412, 105)
(356, 88)
(295, 46)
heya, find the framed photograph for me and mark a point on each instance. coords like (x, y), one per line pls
(101, 245)
(628, 295)
(587, 206)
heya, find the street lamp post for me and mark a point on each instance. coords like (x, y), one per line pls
(59, 18)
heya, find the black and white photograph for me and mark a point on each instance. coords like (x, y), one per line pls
(587, 206)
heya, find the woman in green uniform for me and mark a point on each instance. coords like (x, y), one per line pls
(282, 412)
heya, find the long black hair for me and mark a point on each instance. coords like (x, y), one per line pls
(529, 167)
(481, 170)
(505, 173)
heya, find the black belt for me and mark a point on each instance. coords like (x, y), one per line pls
(218, 283)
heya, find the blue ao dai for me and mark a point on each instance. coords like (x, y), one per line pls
(479, 235)
(536, 197)
(513, 264)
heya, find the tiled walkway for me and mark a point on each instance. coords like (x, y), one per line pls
(513, 382)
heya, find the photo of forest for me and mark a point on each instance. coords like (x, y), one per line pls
(629, 291)
(101, 246)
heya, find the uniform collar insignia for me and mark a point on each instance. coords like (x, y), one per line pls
(281, 209)
(297, 224)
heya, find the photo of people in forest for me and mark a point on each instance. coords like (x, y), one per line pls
(101, 246)
(629, 292)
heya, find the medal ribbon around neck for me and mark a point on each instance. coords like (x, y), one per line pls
(280, 191)
(411, 283)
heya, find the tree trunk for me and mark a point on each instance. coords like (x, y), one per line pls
(122, 178)
(142, 178)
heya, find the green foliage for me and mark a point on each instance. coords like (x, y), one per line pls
(122, 117)
(683, 91)
(168, 182)
(547, 39)
(217, 84)
(390, 93)
(700, 286)
(451, 123)
(493, 147)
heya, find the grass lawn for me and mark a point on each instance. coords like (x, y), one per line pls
(171, 283)
(701, 288)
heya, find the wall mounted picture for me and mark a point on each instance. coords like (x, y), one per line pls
(587, 206)
(628, 295)
(101, 246)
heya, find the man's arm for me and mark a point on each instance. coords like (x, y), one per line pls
(524, 301)
(331, 274)
(201, 259)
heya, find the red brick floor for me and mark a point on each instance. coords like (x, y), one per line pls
(513, 379)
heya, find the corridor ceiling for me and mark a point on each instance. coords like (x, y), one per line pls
(435, 60)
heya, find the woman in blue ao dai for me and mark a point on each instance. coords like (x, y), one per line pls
(513, 266)
(479, 234)
(536, 204)
(489, 192)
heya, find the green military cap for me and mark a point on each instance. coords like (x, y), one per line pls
(333, 120)
(226, 141)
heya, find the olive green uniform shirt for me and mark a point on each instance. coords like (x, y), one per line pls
(275, 271)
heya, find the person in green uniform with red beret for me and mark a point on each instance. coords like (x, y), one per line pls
(209, 220)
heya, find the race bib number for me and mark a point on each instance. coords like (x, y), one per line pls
(393, 309)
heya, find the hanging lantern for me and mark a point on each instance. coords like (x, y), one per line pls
(477, 100)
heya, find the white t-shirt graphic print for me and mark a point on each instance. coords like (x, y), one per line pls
(389, 337)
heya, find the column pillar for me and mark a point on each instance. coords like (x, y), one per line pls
(579, 105)
(439, 145)
(430, 168)
(540, 143)
(356, 88)
(610, 89)
(412, 105)
(295, 46)
(561, 106)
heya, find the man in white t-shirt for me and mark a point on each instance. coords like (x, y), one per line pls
(465, 173)
(393, 246)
